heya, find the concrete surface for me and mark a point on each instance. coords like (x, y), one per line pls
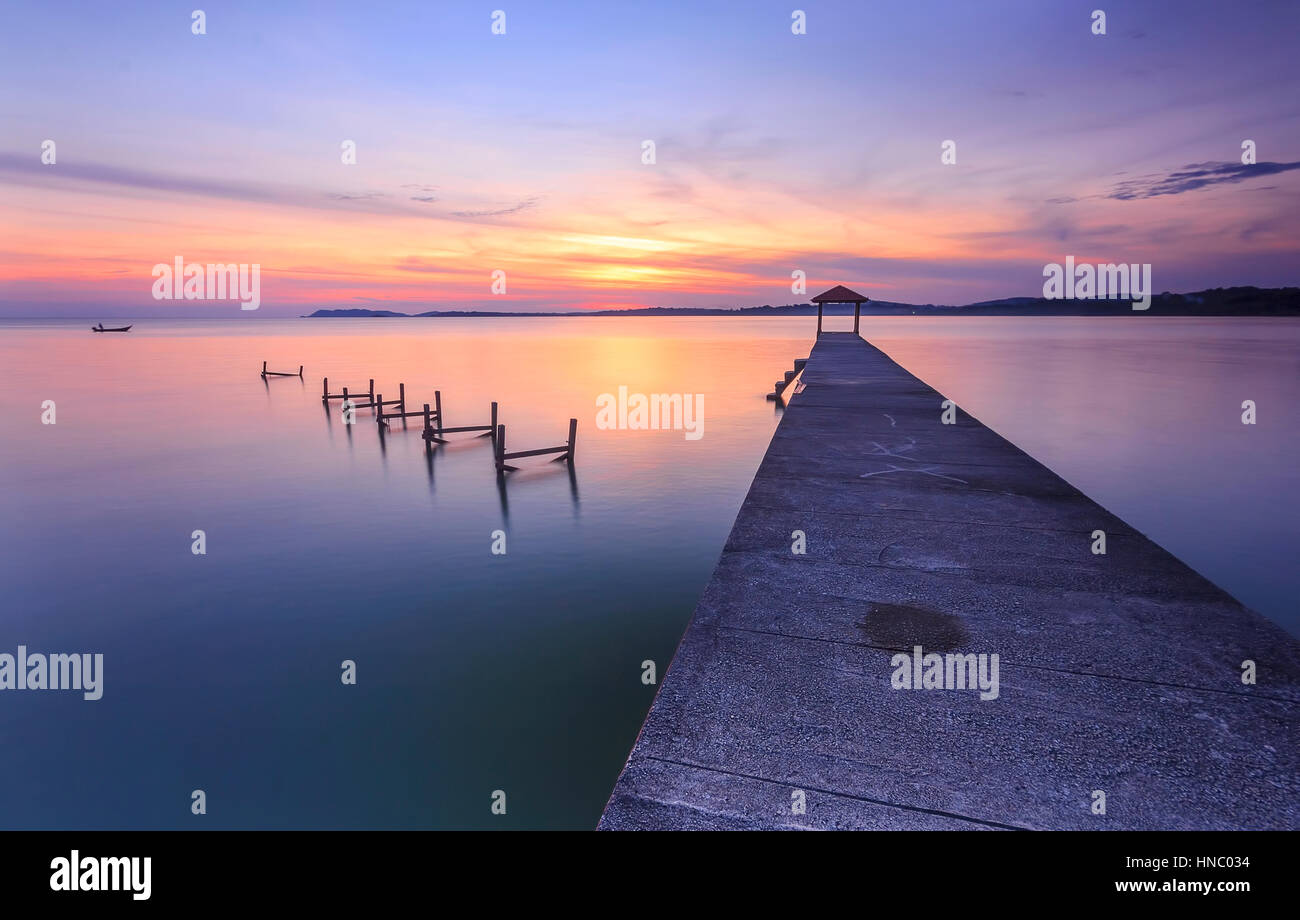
(1117, 672)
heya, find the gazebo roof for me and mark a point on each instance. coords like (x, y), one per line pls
(840, 294)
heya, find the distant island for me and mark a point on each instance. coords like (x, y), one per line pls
(1234, 301)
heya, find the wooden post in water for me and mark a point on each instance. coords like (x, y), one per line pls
(437, 402)
(379, 410)
(299, 369)
(325, 387)
(565, 451)
(263, 368)
(401, 397)
(493, 433)
(427, 424)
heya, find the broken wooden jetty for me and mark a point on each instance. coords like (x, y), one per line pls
(1127, 695)
(382, 417)
(327, 395)
(434, 428)
(266, 373)
(565, 451)
(377, 402)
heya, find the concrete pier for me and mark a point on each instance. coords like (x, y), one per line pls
(1119, 674)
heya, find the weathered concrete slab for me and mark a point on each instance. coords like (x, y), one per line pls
(1119, 673)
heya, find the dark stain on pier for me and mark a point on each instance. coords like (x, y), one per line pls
(903, 626)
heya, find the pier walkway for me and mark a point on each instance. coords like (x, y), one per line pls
(1118, 674)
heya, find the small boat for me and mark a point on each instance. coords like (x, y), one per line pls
(100, 328)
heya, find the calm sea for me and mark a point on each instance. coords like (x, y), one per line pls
(476, 671)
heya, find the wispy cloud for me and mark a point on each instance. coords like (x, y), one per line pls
(26, 170)
(498, 212)
(428, 191)
(1194, 176)
(428, 196)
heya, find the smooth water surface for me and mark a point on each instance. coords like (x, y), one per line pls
(475, 671)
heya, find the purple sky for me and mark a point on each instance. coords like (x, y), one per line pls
(522, 153)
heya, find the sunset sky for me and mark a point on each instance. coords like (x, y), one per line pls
(523, 152)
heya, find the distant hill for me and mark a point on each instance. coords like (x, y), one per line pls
(353, 313)
(1234, 301)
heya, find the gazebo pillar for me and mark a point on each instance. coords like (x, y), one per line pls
(840, 294)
